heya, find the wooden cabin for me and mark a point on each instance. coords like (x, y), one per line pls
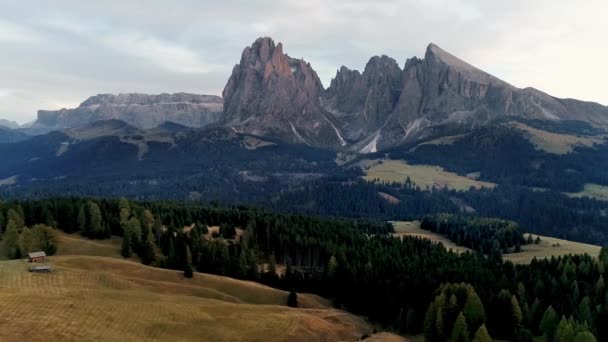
(36, 256)
(41, 269)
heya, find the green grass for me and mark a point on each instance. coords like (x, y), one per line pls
(555, 143)
(549, 247)
(422, 175)
(596, 191)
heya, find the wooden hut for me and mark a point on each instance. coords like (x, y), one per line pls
(41, 269)
(36, 256)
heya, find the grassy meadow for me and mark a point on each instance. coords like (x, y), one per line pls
(422, 175)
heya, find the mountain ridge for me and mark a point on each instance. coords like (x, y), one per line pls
(274, 95)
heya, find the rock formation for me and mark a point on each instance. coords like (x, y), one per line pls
(140, 110)
(272, 94)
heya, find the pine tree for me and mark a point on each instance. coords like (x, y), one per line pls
(47, 238)
(28, 241)
(2, 223)
(11, 242)
(473, 311)
(516, 313)
(15, 218)
(188, 273)
(96, 222)
(272, 266)
(583, 313)
(564, 331)
(332, 266)
(482, 335)
(134, 229)
(460, 332)
(125, 247)
(548, 323)
(82, 221)
(584, 336)
(292, 299)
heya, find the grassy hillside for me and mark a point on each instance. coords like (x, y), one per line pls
(556, 143)
(93, 294)
(596, 191)
(547, 248)
(105, 299)
(421, 175)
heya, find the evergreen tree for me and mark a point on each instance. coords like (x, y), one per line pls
(2, 223)
(125, 247)
(11, 242)
(134, 230)
(583, 313)
(15, 218)
(565, 331)
(548, 323)
(292, 299)
(473, 311)
(584, 336)
(516, 313)
(82, 221)
(482, 335)
(46, 238)
(460, 332)
(28, 241)
(96, 222)
(188, 273)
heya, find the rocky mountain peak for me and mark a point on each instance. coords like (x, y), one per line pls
(270, 93)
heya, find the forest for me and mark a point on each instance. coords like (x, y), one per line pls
(410, 285)
(484, 235)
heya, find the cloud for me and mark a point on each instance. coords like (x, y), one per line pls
(163, 54)
(58, 53)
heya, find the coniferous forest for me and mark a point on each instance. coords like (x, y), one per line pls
(410, 285)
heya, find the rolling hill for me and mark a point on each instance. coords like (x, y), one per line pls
(105, 298)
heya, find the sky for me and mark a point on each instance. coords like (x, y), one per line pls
(55, 54)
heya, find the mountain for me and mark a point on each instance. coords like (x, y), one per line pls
(8, 135)
(394, 106)
(140, 110)
(8, 124)
(272, 94)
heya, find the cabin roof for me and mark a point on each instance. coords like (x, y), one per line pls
(40, 254)
(41, 267)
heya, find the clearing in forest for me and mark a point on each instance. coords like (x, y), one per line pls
(422, 175)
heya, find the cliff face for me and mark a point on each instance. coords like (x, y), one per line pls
(270, 93)
(140, 110)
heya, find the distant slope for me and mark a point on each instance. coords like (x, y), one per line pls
(96, 298)
(8, 135)
(114, 158)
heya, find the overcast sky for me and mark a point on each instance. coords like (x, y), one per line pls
(55, 54)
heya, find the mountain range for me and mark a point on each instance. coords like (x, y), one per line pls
(278, 138)
(274, 95)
